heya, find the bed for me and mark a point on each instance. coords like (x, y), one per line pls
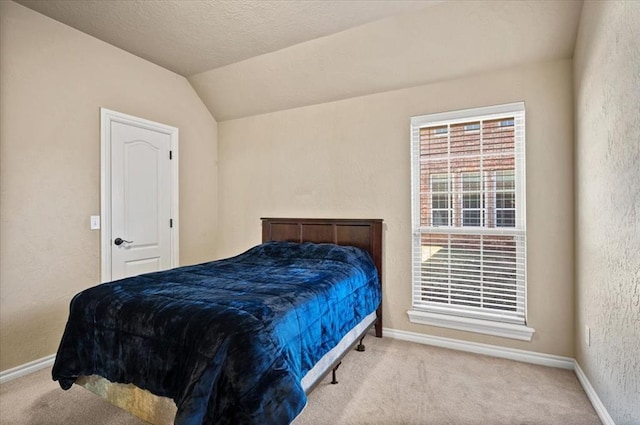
(240, 340)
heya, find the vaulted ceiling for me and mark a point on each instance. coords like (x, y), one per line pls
(245, 57)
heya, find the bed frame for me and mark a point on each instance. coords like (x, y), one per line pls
(362, 233)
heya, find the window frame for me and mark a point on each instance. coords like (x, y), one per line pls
(449, 315)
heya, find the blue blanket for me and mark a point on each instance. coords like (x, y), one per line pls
(229, 341)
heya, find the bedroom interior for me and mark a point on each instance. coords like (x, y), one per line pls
(319, 126)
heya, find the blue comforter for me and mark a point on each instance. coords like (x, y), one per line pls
(229, 341)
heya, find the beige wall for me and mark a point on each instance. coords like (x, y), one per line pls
(607, 203)
(53, 81)
(351, 159)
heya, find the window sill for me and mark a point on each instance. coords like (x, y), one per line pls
(489, 327)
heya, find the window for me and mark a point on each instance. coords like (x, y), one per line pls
(440, 200)
(472, 200)
(468, 224)
(440, 131)
(472, 127)
(505, 208)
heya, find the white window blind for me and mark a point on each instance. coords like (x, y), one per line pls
(469, 228)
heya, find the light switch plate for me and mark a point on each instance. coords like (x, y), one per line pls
(587, 335)
(95, 222)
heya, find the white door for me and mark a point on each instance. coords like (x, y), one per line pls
(141, 228)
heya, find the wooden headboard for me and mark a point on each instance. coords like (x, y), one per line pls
(362, 233)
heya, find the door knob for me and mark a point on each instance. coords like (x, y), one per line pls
(119, 241)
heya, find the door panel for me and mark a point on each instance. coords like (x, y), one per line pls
(145, 265)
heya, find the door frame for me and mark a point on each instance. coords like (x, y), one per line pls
(106, 118)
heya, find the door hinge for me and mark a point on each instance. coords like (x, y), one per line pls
(170, 154)
(171, 222)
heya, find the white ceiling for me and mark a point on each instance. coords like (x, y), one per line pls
(245, 57)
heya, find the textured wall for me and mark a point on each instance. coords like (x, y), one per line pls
(607, 203)
(53, 81)
(351, 159)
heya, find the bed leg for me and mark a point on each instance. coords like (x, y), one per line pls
(360, 346)
(333, 374)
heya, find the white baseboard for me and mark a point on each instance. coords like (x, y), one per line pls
(511, 354)
(486, 349)
(26, 369)
(602, 412)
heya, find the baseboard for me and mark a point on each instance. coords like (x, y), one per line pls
(602, 412)
(26, 369)
(511, 354)
(486, 349)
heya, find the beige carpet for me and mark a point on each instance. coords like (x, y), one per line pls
(393, 382)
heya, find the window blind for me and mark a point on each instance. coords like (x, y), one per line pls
(468, 208)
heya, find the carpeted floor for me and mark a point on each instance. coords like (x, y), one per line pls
(394, 382)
